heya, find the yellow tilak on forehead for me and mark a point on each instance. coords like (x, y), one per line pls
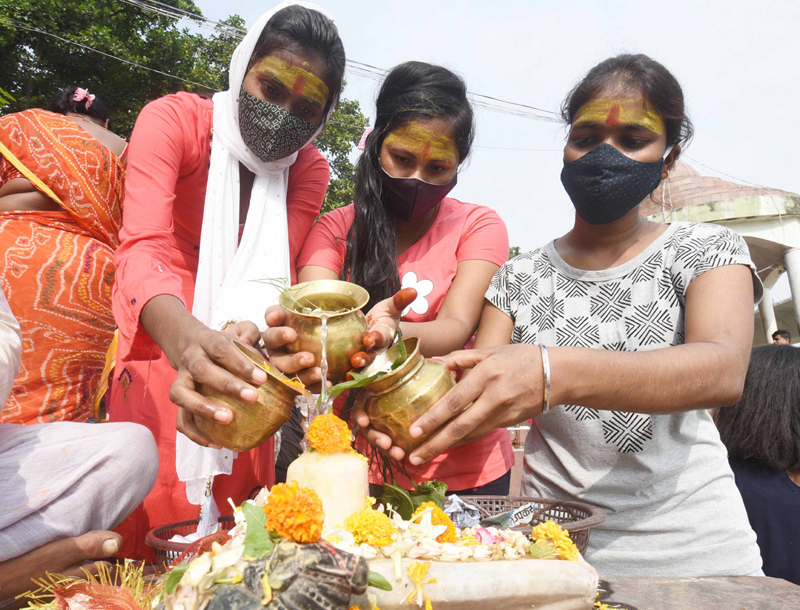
(424, 143)
(614, 111)
(294, 78)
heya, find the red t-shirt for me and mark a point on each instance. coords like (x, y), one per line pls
(460, 232)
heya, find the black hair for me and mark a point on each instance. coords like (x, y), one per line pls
(301, 30)
(765, 424)
(782, 333)
(411, 91)
(639, 72)
(63, 103)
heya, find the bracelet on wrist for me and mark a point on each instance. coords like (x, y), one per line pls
(546, 373)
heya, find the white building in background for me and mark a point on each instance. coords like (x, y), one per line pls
(768, 219)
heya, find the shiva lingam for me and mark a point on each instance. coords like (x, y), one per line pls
(253, 423)
(330, 306)
(396, 400)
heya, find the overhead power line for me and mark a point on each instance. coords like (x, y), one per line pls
(122, 59)
(357, 68)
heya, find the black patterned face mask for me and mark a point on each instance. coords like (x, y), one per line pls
(269, 130)
(604, 184)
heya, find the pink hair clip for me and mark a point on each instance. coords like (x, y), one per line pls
(83, 94)
(362, 143)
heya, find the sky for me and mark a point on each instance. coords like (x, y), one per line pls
(737, 61)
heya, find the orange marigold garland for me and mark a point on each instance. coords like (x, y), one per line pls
(438, 517)
(294, 512)
(329, 434)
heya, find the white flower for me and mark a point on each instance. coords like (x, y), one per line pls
(423, 288)
(262, 497)
(198, 568)
(482, 553)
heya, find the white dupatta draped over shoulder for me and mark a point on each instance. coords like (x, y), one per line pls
(229, 284)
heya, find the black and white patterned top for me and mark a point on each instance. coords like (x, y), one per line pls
(652, 474)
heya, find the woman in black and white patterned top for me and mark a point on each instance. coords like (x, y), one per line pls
(648, 326)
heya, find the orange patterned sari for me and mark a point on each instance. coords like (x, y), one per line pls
(57, 267)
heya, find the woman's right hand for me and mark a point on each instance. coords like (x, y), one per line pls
(208, 357)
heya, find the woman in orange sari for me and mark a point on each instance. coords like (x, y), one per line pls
(61, 184)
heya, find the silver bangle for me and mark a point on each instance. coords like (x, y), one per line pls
(546, 371)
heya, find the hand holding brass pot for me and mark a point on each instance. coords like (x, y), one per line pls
(252, 423)
(341, 303)
(396, 400)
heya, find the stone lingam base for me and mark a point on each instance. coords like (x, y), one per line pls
(511, 585)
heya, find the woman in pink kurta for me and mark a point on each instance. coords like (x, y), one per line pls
(404, 235)
(159, 255)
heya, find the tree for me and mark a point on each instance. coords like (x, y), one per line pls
(513, 251)
(35, 66)
(336, 142)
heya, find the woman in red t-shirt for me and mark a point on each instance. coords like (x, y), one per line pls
(219, 193)
(404, 232)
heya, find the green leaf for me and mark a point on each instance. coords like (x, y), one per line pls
(379, 582)
(257, 541)
(399, 499)
(358, 380)
(429, 491)
(175, 577)
(401, 355)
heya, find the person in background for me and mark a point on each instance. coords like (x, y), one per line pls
(617, 338)
(404, 232)
(782, 337)
(220, 196)
(762, 434)
(61, 186)
(63, 485)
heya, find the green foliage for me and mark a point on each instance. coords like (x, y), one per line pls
(257, 541)
(337, 142)
(513, 251)
(174, 577)
(406, 502)
(378, 581)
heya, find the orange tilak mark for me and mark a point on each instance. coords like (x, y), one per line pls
(613, 115)
(426, 151)
(299, 84)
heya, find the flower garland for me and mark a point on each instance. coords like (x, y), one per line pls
(329, 434)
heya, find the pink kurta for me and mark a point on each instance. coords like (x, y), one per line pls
(160, 241)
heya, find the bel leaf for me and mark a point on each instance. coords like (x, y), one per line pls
(174, 577)
(399, 499)
(257, 541)
(379, 582)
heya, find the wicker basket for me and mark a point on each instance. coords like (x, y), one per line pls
(166, 551)
(576, 517)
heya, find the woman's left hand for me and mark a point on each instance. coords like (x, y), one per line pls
(246, 332)
(503, 388)
(383, 320)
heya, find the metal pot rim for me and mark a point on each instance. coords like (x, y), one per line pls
(256, 358)
(313, 287)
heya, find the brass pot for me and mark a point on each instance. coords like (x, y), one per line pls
(395, 401)
(341, 302)
(253, 423)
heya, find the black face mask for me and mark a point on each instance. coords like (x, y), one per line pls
(604, 184)
(412, 198)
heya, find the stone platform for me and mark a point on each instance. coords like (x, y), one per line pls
(719, 593)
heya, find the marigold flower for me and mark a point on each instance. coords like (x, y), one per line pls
(370, 527)
(550, 530)
(294, 512)
(438, 517)
(329, 434)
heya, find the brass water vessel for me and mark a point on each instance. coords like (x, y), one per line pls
(253, 423)
(396, 400)
(341, 302)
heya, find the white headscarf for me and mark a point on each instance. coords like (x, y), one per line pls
(227, 286)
